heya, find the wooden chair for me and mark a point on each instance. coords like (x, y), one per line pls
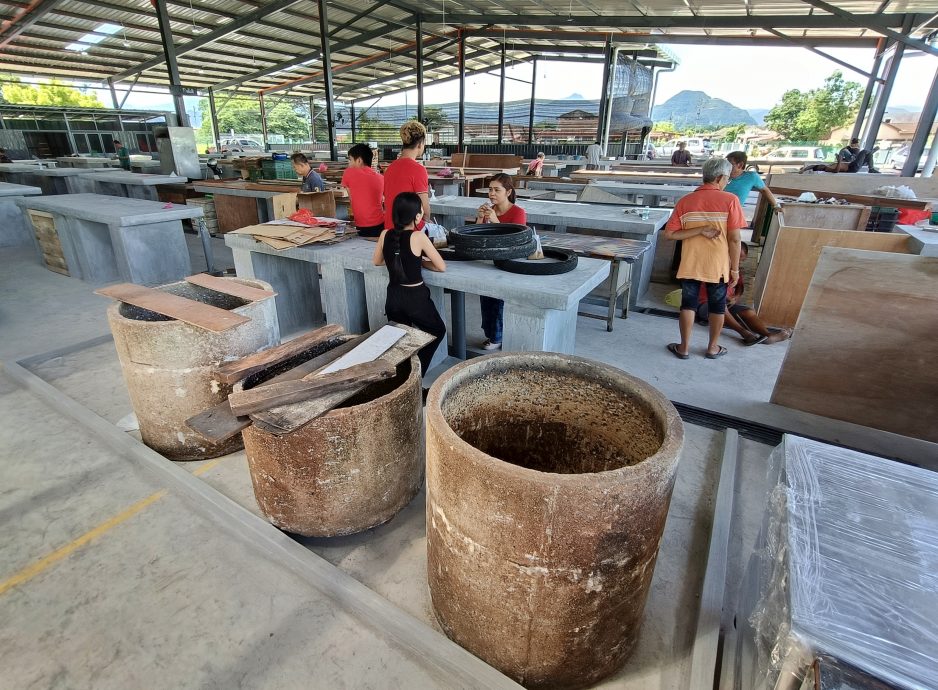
(321, 204)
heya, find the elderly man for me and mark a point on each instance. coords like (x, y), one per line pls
(312, 182)
(707, 221)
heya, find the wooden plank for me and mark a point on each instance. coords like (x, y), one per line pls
(232, 372)
(235, 212)
(285, 392)
(864, 349)
(710, 612)
(790, 257)
(924, 187)
(288, 418)
(188, 311)
(219, 423)
(866, 199)
(372, 348)
(229, 287)
(849, 217)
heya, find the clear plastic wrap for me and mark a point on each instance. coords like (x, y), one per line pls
(846, 567)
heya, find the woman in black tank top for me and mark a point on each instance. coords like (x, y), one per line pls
(405, 253)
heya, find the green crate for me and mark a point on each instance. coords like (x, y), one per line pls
(278, 170)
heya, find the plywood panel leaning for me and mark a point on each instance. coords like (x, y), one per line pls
(789, 259)
(865, 347)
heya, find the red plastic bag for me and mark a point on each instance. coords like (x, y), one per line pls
(910, 216)
(305, 216)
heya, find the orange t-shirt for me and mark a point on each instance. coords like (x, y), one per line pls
(703, 258)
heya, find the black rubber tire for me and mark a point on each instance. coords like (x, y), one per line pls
(451, 255)
(497, 252)
(491, 236)
(566, 262)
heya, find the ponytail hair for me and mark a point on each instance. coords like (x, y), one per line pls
(505, 181)
(404, 212)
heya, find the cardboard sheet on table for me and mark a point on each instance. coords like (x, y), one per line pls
(271, 231)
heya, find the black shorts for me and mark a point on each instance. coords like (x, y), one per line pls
(370, 230)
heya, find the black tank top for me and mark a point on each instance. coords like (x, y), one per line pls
(409, 263)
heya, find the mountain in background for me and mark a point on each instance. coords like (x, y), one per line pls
(694, 108)
(573, 97)
(758, 114)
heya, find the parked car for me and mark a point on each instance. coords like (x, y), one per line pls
(240, 145)
(697, 146)
(902, 155)
(803, 154)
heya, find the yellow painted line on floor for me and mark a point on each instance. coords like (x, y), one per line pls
(207, 466)
(30, 572)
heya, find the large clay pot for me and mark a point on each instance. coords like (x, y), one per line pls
(351, 469)
(168, 365)
(548, 483)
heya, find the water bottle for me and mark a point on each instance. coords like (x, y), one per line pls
(645, 212)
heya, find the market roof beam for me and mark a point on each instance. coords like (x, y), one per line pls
(874, 22)
(13, 27)
(863, 21)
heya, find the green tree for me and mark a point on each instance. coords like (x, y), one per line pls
(665, 126)
(735, 132)
(811, 115)
(53, 92)
(369, 128)
(244, 117)
(434, 117)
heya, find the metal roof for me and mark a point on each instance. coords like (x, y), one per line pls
(249, 46)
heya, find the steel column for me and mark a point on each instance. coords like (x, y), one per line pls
(461, 66)
(868, 93)
(312, 120)
(214, 115)
(172, 67)
(419, 22)
(882, 97)
(351, 113)
(531, 111)
(501, 98)
(922, 131)
(260, 98)
(110, 85)
(604, 94)
(327, 79)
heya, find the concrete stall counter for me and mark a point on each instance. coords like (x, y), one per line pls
(583, 218)
(131, 185)
(86, 162)
(540, 311)
(14, 228)
(68, 180)
(107, 238)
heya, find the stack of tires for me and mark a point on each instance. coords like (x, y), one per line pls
(508, 246)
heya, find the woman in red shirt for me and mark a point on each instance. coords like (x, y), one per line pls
(406, 174)
(501, 208)
(366, 191)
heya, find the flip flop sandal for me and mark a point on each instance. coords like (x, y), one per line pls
(756, 340)
(716, 355)
(672, 348)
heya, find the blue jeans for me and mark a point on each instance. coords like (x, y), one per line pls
(716, 295)
(493, 311)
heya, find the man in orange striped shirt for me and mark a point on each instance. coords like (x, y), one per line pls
(707, 221)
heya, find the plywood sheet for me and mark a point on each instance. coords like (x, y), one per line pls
(235, 212)
(865, 349)
(790, 257)
(848, 217)
(48, 238)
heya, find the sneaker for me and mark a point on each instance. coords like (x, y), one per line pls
(489, 345)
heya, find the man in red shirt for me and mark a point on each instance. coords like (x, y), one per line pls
(366, 191)
(406, 174)
(707, 221)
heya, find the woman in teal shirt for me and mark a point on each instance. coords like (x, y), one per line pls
(743, 181)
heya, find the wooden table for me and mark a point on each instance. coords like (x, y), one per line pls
(619, 252)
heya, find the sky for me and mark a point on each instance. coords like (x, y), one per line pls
(746, 77)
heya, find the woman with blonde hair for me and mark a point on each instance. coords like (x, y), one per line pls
(406, 174)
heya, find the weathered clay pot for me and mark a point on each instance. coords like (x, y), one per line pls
(548, 483)
(351, 469)
(168, 365)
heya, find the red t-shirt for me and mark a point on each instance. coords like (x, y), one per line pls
(515, 215)
(367, 190)
(403, 175)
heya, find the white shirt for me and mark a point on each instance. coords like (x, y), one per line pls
(593, 153)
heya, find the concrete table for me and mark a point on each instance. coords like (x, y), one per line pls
(640, 177)
(15, 230)
(68, 180)
(921, 242)
(19, 173)
(145, 166)
(86, 162)
(604, 192)
(540, 311)
(131, 185)
(586, 219)
(107, 238)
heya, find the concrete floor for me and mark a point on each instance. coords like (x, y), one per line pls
(118, 569)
